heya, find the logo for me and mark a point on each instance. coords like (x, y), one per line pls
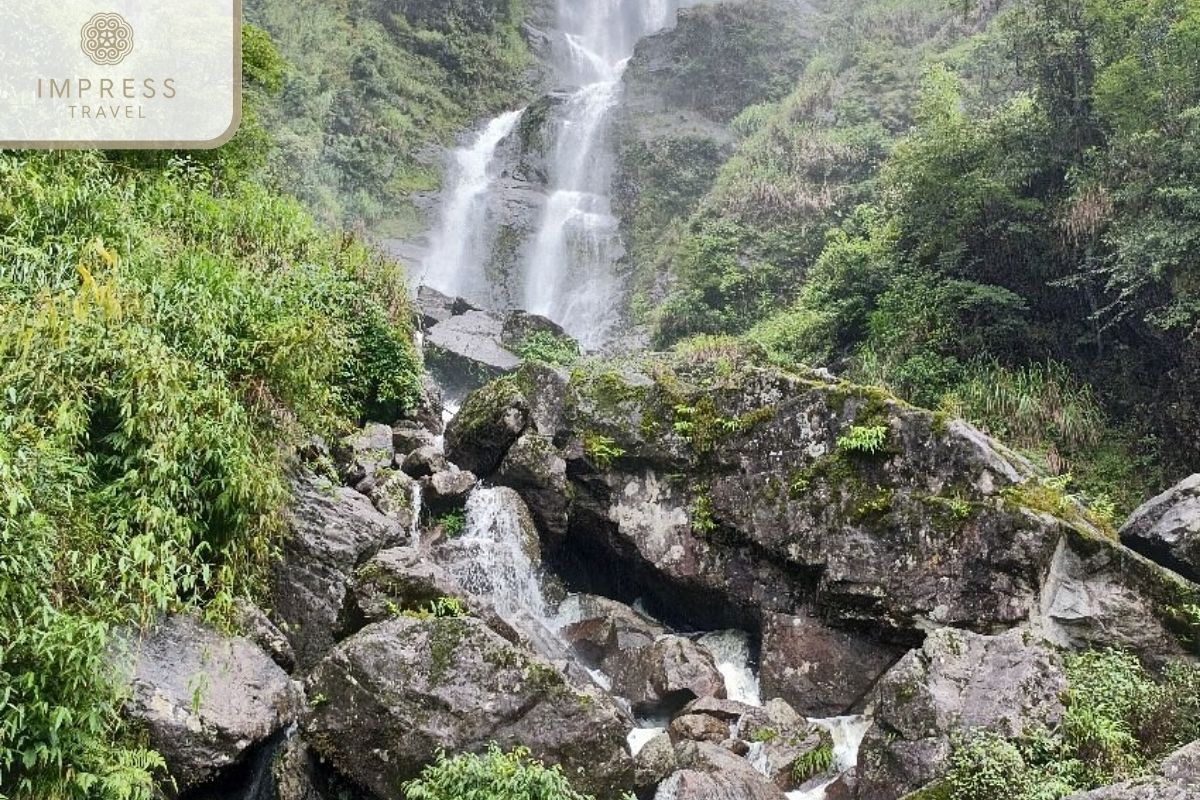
(106, 39)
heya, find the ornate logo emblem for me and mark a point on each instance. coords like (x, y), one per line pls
(107, 39)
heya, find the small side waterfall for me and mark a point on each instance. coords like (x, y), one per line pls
(494, 559)
(731, 651)
(460, 244)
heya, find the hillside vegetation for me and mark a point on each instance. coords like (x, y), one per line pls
(371, 88)
(167, 328)
(989, 207)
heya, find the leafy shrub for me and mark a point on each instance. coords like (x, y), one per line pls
(441, 608)
(1119, 722)
(814, 762)
(601, 450)
(865, 439)
(546, 348)
(164, 337)
(453, 523)
(493, 775)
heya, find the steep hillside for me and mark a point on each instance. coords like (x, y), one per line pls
(170, 331)
(969, 204)
(373, 88)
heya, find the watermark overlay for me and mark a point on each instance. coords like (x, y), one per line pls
(119, 73)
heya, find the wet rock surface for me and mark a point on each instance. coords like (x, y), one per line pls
(205, 699)
(710, 772)
(821, 671)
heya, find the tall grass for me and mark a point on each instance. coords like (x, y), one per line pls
(1030, 405)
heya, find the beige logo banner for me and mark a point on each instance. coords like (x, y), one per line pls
(119, 73)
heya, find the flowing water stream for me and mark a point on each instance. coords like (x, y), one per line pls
(566, 267)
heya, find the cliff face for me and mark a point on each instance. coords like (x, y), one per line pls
(682, 91)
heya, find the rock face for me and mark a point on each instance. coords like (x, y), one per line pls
(332, 530)
(466, 347)
(399, 690)
(1167, 528)
(821, 671)
(489, 423)
(465, 350)
(665, 674)
(955, 683)
(682, 88)
(205, 698)
(1097, 594)
(729, 494)
(710, 772)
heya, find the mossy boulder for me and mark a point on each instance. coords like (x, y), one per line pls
(956, 683)
(387, 699)
(721, 490)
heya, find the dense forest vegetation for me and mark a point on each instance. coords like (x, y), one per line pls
(373, 89)
(991, 208)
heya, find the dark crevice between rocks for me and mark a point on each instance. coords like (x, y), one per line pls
(251, 778)
(1161, 554)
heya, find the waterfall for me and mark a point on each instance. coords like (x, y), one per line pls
(565, 257)
(731, 651)
(495, 559)
(570, 274)
(460, 244)
(847, 734)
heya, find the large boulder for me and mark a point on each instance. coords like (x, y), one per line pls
(534, 467)
(710, 772)
(1167, 528)
(331, 531)
(821, 671)
(465, 351)
(598, 628)
(721, 491)
(1099, 594)
(204, 698)
(665, 674)
(486, 426)
(404, 580)
(956, 683)
(397, 692)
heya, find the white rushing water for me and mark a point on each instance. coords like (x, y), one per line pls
(570, 271)
(731, 651)
(847, 734)
(566, 265)
(493, 559)
(460, 245)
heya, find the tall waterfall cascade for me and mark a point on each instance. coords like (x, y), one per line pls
(565, 268)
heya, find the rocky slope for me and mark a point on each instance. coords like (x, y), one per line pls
(871, 558)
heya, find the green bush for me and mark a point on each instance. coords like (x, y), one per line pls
(546, 348)
(865, 439)
(164, 337)
(1120, 722)
(494, 775)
